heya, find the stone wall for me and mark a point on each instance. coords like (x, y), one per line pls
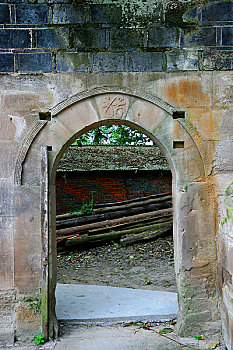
(112, 36)
(60, 64)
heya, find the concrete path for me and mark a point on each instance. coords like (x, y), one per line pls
(101, 304)
(115, 338)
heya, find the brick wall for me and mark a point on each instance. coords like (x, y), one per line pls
(63, 35)
(108, 186)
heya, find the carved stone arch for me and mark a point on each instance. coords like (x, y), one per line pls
(127, 113)
(27, 141)
(104, 90)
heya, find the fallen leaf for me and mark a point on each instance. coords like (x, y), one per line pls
(128, 324)
(166, 330)
(214, 345)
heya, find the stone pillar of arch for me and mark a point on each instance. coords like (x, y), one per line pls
(194, 209)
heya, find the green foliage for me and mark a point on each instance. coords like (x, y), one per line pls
(114, 135)
(39, 338)
(34, 304)
(87, 208)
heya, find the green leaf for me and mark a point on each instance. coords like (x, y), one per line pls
(80, 296)
(198, 337)
(214, 345)
(166, 330)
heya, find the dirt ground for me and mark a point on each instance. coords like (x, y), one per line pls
(143, 266)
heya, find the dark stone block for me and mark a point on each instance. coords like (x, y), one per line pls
(218, 60)
(35, 62)
(218, 11)
(146, 61)
(182, 60)
(53, 38)
(71, 13)
(33, 14)
(227, 36)
(15, 38)
(6, 62)
(126, 39)
(203, 37)
(190, 15)
(72, 61)
(105, 14)
(4, 14)
(88, 38)
(162, 37)
(109, 62)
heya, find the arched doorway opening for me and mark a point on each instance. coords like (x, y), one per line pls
(138, 233)
(194, 227)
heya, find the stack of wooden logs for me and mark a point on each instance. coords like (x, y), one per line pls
(129, 222)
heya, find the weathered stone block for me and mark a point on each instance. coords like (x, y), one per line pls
(182, 60)
(6, 199)
(190, 15)
(6, 252)
(222, 11)
(35, 62)
(126, 39)
(109, 62)
(72, 61)
(193, 323)
(6, 62)
(70, 14)
(7, 335)
(28, 320)
(227, 36)
(105, 13)
(162, 37)
(53, 38)
(223, 161)
(19, 101)
(15, 38)
(31, 14)
(88, 38)
(7, 159)
(27, 252)
(146, 61)
(223, 89)
(4, 14)
(203, 37)
(218, 60)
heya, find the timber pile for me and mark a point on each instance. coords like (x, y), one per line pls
(131, 221)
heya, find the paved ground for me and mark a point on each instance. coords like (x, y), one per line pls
(118, 337)
(82, 307)
(111, 304)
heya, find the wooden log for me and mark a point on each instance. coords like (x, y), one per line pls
(121, 205)
(133, 205)
(134, 200)
(59, 239)
(147, 236)
(112, 235)
(112, 215)
(131, 225)
(110, 223)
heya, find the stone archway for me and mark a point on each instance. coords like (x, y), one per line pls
(194, 223)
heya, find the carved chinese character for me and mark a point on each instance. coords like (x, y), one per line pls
(115, 106)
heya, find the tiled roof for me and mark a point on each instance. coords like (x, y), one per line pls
(89, 158)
